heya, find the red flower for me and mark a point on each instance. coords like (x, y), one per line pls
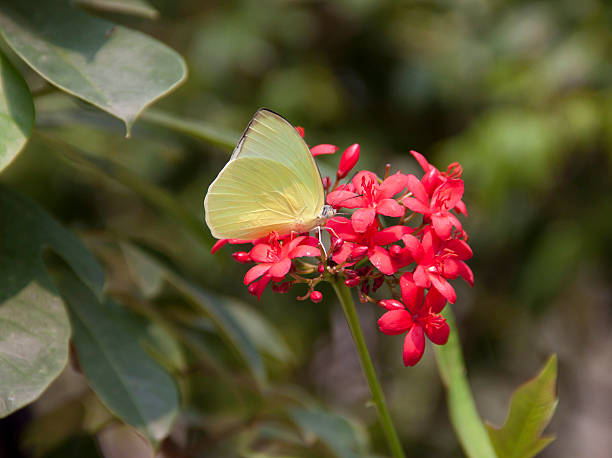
(417, 316)
(369, 198)
(443, 199)
(274, 259)
(438, 261)
(434, 178)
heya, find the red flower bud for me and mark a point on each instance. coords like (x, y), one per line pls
(348, 160)
(316, 297)
(336, 245)
(323, 149)
(358, 254)
(300, 131)
(321, 268)
(365, 288)
(350, 273)
(241, 256)
(281, 287)
(326, 182)
(350, 282)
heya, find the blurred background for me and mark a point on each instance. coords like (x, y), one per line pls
(518, 92)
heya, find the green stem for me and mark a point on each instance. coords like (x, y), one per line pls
(348, 306)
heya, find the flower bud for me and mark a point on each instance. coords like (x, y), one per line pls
(337, 244)
(365, 287)
(300, 131)
(358, 254)
(350, 273)
(316, 297)
(321, 268)
(348, 160)
(241, 256)
(326, 182)
(350, 282)
(281, 287)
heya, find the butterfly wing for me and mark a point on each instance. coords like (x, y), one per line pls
(271, 183)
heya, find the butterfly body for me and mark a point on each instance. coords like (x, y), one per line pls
(270, 184)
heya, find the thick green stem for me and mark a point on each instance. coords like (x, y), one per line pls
(348, 306)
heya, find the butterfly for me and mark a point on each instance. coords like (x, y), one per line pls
(270, 184)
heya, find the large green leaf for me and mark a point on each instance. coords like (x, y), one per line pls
(462, 410)
(34, 326)
(16, 112)
(531, 408)
(117, 69)
(125, 377)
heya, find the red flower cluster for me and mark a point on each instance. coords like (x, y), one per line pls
(402, 232)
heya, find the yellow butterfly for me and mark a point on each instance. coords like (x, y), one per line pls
(271, 183)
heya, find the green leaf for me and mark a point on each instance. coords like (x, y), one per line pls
(214, 307)
(16, 112)
(340, 435)
(128, 7)
(127, 380)
(34, 326)
(114, 68)
(193, 128)
(531, 408)
(462, 410)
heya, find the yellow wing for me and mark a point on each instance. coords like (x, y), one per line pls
(271, 183)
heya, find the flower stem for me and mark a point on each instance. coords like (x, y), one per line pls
(348, 306)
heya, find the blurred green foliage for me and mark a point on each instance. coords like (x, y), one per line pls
(518, 92)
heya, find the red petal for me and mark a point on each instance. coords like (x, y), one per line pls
(461, 208)
(261, 285)
(442, 225)
(358, 179)
(414, 345)
(389, 207)
(346, 199)
(218, 245)
(434, 301)
(342, 254)
(461, 248)
(448, 194)
(305, 250)
(280, 269)
(416, 206)
(444, 288)
(437, 329)
(391, 304)
(414, 246)
(255, 272)
(362, 219)
(393, 185)
(391, 234)
(300, 131)
(381, 259)
(395, 322)
(417, 189)
(412, 295)
(466, 273)
(421, 160)
(263, 252)
(420, 277)
(289, 245)
(323, 148)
